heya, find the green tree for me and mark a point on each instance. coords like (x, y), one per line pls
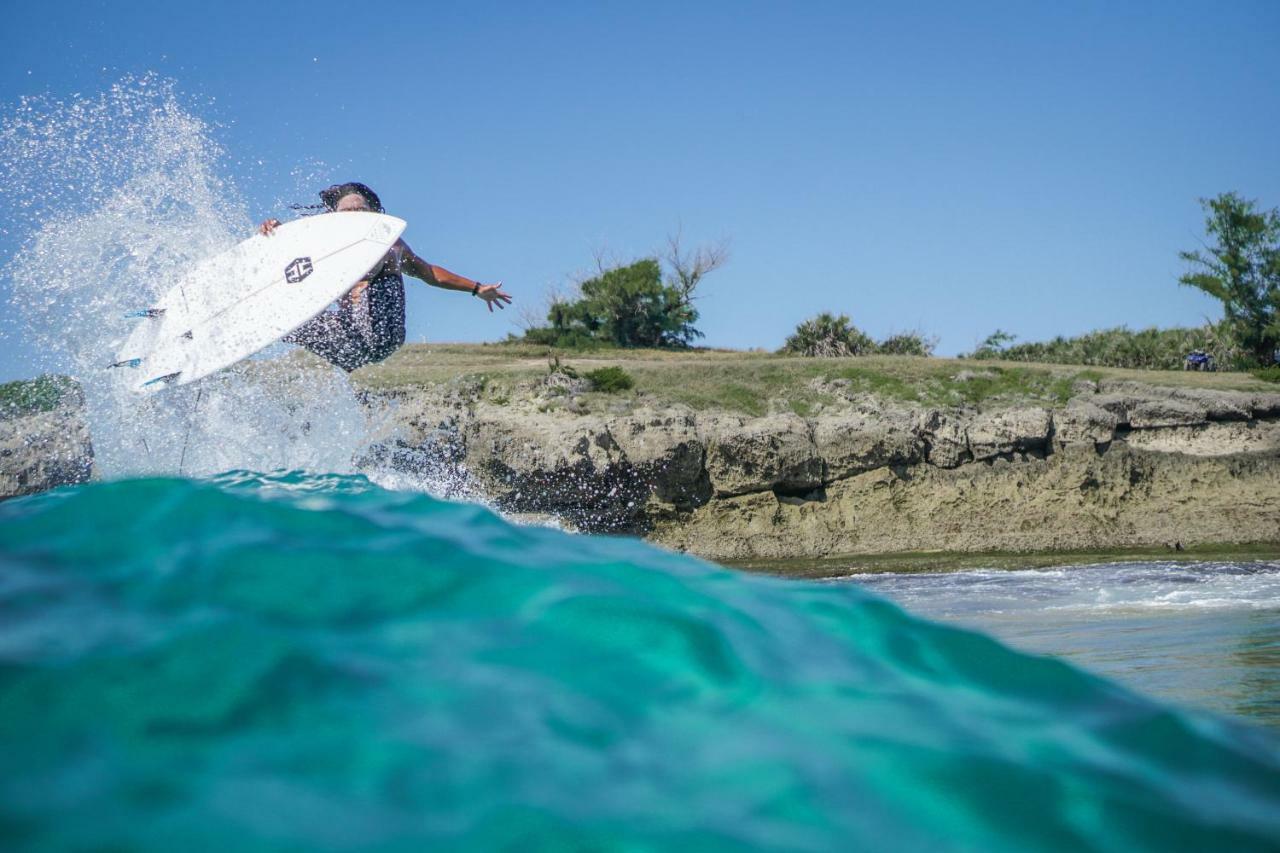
(631, 305)
(994, 346)
(627, 306)
(1241, 269)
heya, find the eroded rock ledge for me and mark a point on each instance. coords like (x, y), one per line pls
(43, 450)
(1120, 465)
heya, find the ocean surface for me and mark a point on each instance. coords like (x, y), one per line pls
(1200, 634)
(296, 661)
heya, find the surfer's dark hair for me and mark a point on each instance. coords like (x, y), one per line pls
(332, 194)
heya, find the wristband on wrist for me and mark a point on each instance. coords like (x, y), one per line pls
(475, 291)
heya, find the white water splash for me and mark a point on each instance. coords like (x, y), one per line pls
(121, 193)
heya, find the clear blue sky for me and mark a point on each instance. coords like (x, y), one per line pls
(945, 167)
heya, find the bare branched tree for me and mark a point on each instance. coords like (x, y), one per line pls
(534, 315)
(604, 259)
(690, 267)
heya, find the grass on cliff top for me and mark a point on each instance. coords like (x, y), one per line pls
(747, 381)
(28, 396)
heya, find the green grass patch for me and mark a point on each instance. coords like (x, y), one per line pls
(753, 382)
(28, 396)
(1267, 374)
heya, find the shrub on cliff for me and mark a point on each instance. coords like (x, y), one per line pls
(1267, 374)
(828, 336)
(1241, 269)
(42, 394)
(610, 380)
(907, 343)
(1144, 349)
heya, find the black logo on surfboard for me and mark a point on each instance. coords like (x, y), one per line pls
(298, 269)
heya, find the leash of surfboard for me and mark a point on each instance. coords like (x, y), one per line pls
(182, 459)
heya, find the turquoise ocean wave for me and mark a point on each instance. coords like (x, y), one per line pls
(312, 662)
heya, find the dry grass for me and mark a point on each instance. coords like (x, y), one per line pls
(755, 381)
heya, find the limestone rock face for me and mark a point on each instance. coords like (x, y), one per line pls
(1218, 405)
(1265, 405)
(1144, 407)
(946, 440)
(536, 462)
(666, 449)
(1121, 464)
(760, 454)
(1211, 439)
(1003, 432)
(1073, 499)
(1083, 422)
(44, 450)
(852, 443)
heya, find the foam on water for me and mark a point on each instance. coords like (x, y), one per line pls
(1104, 589)
(1203, 634)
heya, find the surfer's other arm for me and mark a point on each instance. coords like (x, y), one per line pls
(492, 294)
(268, 226)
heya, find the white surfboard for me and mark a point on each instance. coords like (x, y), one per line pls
(232, 305)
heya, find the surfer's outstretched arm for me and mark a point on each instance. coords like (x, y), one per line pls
(492, 294)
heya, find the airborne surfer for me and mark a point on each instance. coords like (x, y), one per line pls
(369, 324)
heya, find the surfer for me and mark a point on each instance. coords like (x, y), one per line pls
(369, 323)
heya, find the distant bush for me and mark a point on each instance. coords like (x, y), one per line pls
(610, 379)
(828, 336)
(907, 343)
(994, 346)
(1268, 374)
(1146, 349)
(28, 396)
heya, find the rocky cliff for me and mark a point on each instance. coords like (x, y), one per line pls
(42, 449)
(1122, 464)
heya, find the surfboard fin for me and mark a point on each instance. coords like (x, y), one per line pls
(128, 362)
(166, 379)
(146, 312)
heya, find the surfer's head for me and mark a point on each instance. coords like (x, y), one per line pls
(352, 196)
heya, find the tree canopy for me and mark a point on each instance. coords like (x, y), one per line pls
(630, 305)
(1240, 267)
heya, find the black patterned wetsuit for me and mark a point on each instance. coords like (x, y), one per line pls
(353, 336)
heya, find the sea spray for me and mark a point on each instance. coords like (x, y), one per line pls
(117, 196)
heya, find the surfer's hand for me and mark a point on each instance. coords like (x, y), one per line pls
(356, 294)
(268, 226)
(492, 295)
